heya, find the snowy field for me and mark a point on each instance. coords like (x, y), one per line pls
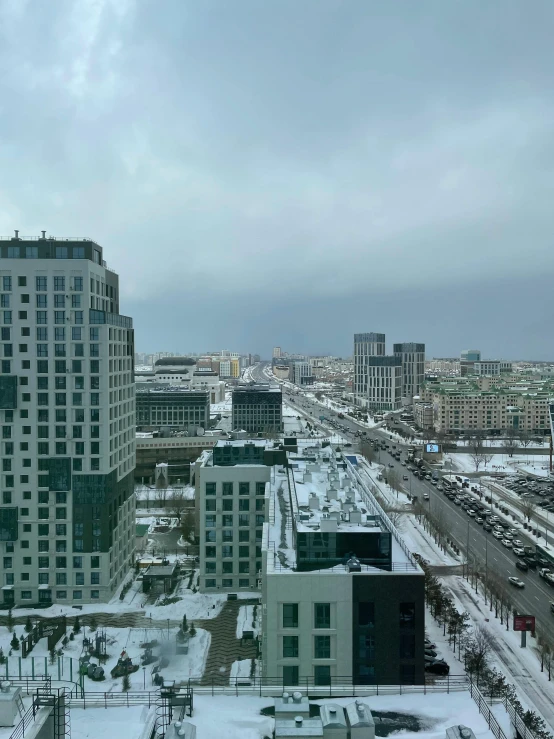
(534, 464)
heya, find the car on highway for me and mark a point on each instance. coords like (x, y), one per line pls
(551, 607)
(498, 534)
(471, 513)
(479, 520)
(507, 535)
(425, 496)
(516, 582)
(507, 543)
(405, 477)
(517, 543)
(391, 465)
(520, 551)
(521, 565)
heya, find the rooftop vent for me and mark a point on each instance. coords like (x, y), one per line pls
(354, 565)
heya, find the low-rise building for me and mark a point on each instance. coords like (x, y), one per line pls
(230, 483)
(172, 407)
(258, 409)
(343, 599)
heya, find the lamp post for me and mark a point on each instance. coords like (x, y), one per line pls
(144, 678)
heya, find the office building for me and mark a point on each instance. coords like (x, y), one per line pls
(171, 407)
(186, 372)
(276, 352)
(343, 599)
(258, 409)
(302, 372)
(412, 356)
(67, 403)
(491, 367)
(382, 385)
(467, 359)
(365, 346)
(231, 482)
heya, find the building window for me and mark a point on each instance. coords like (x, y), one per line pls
(366, 614)
(61, 253)
(227, 551)
(227, 488)
(210, 583)
(322, 675)
(322, 615)
(40, 284)
(290, 646)
(260, 488)
(290, 615)
(244, 489)
(407, 615)
(322, 647)
(290, 675)
(244, 505)
(407, 646)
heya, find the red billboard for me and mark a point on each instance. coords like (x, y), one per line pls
(524, 623)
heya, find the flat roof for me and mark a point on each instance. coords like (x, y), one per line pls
(333, 494)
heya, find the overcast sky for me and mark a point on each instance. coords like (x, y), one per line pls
(289, 172)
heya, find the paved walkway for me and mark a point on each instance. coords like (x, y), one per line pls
(225, 648)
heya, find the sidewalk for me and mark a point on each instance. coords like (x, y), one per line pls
(521, 666)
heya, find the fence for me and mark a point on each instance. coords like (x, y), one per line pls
(93, 699)
(486, 712)
(338, 687)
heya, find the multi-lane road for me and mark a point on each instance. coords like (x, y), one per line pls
(490, 555)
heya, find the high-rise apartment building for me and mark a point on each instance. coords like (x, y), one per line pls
(276, 352)
(412, 356)
(67, 411)
(365, 345)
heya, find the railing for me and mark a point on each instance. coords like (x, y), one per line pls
(47, 238)
(338, 687)
(339, 567)
(486, 712)
(30, 684)
(92, 699)
(377, 510)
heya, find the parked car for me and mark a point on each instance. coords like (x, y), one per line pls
(430, 653)
(516, 582)
(437, 667)
(521, 565)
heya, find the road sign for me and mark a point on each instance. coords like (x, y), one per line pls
(524, 623)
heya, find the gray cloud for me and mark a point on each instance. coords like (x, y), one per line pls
(281, 155)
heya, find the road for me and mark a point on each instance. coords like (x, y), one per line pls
(490, 554)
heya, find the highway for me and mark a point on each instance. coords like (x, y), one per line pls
(489, 553)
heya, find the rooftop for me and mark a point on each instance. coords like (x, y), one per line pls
(321, 493)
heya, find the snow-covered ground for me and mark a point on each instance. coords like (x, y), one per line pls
(535, 464)
(245, 620)
(435, 713)
(241, 668)
(124, 723)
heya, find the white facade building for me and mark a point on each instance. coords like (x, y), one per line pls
(231, 485)
(302, 372)
(67, 409)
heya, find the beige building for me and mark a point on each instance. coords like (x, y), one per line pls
(492, 404)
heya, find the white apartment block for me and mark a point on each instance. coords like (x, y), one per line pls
(67, 411)
(231, 482)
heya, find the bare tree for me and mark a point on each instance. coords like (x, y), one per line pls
(176, 503)
(188, 525)
(393, 480)
(478, 459)
(396, 518)
(511, 441)
(479, 646)
(525, 438)
(487, 458)
(528, 508)
(368, 451)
